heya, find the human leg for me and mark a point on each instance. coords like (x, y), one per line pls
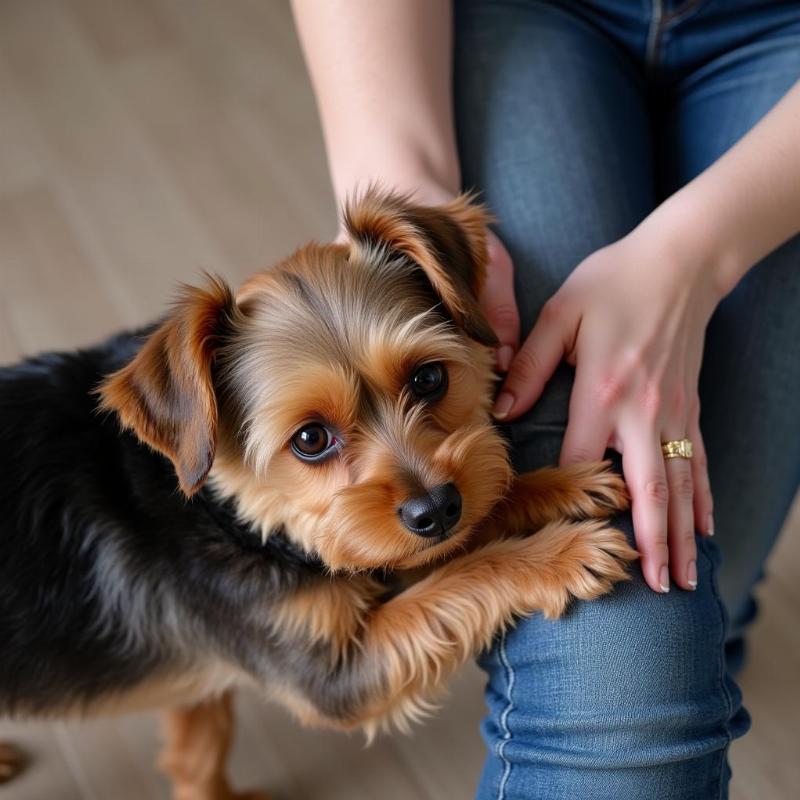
(750, 380)
(627, 697)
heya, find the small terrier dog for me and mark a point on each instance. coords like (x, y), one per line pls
(348, 530)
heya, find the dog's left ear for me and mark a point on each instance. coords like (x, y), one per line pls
(166, 393)
(447, 242)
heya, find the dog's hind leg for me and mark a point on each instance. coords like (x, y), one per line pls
(198, 742)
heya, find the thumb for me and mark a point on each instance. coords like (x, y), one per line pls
(532, 367)
(498, 303)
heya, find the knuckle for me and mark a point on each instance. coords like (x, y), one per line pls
(526, 364)
(609, 390)
(651, 400)
(657, 540)
(656, 492)
(578, 454)
(552, 311)
(499, 257)
(686, 537)
(525, 371)
(700, 461)
(683, 486)
(677, 402)
(503, 315)
(634, 359)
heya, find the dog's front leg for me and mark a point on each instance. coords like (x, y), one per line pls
(424, 634)
(589, 490)
(198, 742)
(408, 646)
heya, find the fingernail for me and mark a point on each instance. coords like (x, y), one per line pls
(691, 574)
(710, 527)
(504, 356)
(503, 405)
(663, 579)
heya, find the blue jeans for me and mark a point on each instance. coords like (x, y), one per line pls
(575, 120)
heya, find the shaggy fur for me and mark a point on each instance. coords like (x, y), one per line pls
(162, 542)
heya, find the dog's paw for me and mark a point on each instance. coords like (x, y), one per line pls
(589, 490)
(593, 490)
(590, 559)
(12, 762)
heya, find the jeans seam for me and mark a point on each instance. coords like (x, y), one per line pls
(722, 671)
(653, 36)
(680, 13)
(501, 747)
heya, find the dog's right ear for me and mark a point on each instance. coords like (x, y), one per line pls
(447, 242)
(165, 395)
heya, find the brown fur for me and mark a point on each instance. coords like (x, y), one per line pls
(199, 739)
(448, 243)
(166, 393)
(332, 334)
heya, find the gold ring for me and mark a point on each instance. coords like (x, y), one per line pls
(679, 448)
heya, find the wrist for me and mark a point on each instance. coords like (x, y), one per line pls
(431, 179)
(687, 235)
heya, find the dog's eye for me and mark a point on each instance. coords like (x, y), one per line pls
(429, 381)
(313, 442)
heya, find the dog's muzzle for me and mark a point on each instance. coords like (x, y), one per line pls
(434, 513)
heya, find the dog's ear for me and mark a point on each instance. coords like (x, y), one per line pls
(166, 393)
(447, 242)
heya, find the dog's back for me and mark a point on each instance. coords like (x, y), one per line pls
(108, 574)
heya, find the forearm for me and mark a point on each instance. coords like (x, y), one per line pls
(382, 74)
(745, 204)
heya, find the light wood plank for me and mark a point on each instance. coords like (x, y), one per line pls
(9, 347)
(125, 211)
(112, 774)
(57, 300)
(319, 764)
(49, 774)
(122, 28)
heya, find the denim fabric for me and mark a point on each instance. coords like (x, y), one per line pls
(575, 119)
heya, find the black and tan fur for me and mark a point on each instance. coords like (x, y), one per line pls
(122, 587)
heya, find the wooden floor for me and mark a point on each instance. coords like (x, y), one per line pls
(140, 142)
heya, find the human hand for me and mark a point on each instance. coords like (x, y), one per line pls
(498, 301)
(631, 318)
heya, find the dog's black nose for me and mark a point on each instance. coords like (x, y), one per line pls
(434, 513)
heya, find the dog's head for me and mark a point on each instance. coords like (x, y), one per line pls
(343, 394)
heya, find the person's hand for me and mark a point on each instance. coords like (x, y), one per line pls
(498, 302)
(631, 318)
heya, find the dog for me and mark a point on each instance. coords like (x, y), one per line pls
(297, 487)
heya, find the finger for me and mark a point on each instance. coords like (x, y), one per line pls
(643, 466)
(703, 499)
(680, 518)
(532, 367)
(498, 302)
(589, 428)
